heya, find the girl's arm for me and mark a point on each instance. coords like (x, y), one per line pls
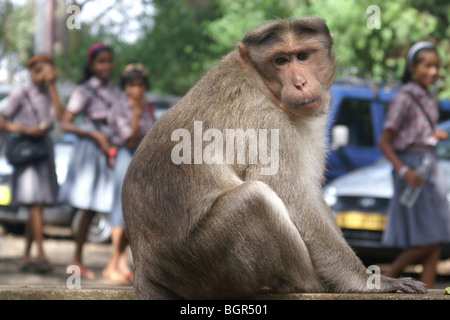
(137, 106)
(410, 176)
(8, 126)
(99, 137)
(50, 78)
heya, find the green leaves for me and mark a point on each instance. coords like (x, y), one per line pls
(179, 40)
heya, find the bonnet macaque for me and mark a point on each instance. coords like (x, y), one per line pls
(204, 220)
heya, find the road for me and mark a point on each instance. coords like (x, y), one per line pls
(60, 248)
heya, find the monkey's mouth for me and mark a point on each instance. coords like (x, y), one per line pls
(307, 102)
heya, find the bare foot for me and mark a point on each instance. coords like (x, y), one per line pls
(115, 277)
(124, 269)
(26, 265)
(85, 272)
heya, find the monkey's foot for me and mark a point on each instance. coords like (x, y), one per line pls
(407, 285)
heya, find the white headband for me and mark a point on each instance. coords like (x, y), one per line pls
(418, 46)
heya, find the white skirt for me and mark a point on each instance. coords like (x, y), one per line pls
(90, 180)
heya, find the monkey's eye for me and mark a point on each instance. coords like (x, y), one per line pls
(281, 61)
(302, 56)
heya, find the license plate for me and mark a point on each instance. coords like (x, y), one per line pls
(5, 195)
(361, 220)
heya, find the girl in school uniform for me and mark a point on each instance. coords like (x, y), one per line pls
(130, 119)
(31, 111)
(89, 183)
(407, 138)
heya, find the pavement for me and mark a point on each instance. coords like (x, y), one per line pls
(61, 285)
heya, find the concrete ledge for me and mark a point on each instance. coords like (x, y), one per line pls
(58, 293)
(433, 294)
(127, 293)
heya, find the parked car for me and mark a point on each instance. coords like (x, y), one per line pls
(357, 113)
(14, 217)
(360, 199)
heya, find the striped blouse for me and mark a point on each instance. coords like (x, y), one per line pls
(408, 121)
(93, 99)
(121, 118)
(30, 106)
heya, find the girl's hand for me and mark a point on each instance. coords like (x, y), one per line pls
(441, 134)
(413, 179)
(49, 74)
(137, 103)
(101, 139)
(34, 131)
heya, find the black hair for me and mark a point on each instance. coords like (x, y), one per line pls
(87, 74)
(132, 75)
(407, 75)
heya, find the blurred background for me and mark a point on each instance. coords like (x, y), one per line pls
(179, 40)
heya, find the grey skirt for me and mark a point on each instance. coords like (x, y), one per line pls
(428, 220)
(123, 159)
(36, 183)
(89, 182)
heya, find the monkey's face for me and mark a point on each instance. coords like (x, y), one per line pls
(295, 61)
(295, 75)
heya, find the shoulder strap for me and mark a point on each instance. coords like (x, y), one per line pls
(421, 108)
(33, 106)
(95, 92)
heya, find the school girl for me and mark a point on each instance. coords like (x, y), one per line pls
(130, 119)
(31, 111)
(410, 134)
(89, 183)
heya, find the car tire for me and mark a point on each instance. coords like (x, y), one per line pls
(100, 230)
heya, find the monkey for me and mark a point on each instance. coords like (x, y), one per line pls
(226, 229)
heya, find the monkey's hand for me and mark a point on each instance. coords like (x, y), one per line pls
(406, 285)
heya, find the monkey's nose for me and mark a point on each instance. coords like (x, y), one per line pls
(298, 79)
(299, 82)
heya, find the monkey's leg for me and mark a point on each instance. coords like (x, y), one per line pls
(245, 243)
(146, 289)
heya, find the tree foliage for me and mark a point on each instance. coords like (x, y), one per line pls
(188, 42)
(179, 40)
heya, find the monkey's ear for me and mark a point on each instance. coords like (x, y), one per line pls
(243, 53)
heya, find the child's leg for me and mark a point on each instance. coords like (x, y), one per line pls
(123, 261)
(407, 257)
(37, 229)
(430, 262)
(28, 242)
(80, 240)
(112, 270)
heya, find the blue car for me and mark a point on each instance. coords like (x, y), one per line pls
(357, 113)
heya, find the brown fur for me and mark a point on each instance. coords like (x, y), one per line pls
(209, 231)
